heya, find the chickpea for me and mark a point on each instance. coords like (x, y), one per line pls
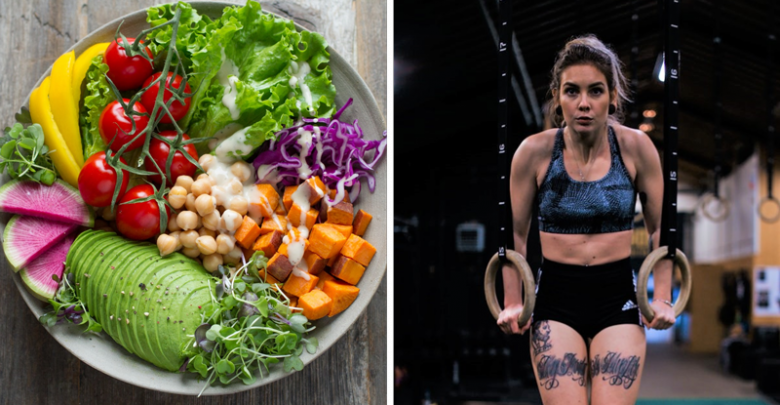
(188, 238)
(239, 205)
(187, 220)
(206, 161)
(206, 244)
(228, 259)
(109, 214)
(234, 257)
(231, 220)
(242, 170)
(211, 221)
(177, 196)
(225, 244)
(207, 232)
(190, 202)
(177, 235)
(192, 252)
(166, 244)
(235, 187)
(212, 262)
(205, 204)
(185, 182)
(173, 226)
(200, 187)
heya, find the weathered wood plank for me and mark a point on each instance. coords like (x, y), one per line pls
(34, 368)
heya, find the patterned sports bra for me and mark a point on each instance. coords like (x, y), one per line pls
(574, 207)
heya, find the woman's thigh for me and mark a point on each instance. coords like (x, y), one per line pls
(617, 357)
(560, 361)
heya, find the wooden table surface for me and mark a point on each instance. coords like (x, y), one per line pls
(34, 368)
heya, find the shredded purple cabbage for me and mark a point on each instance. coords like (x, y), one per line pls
(344, 156)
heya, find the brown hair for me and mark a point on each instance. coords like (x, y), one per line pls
(589, 50)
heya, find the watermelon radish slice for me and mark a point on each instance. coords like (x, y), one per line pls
(58, 202)
(25, 238)
(37, 276)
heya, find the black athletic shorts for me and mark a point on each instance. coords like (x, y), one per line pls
(587, 298)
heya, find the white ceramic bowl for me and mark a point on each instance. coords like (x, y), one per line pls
(102, 353)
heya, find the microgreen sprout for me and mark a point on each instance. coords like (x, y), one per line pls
(67, 307)
(247, 327)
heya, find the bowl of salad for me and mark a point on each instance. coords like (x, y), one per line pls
(193, 198)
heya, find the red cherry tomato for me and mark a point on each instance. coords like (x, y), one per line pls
(114, 122)
(177, 109)
(97, 181)
(127, 73)
(139, 221)
(180, 166)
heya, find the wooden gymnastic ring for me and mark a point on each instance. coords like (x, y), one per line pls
(644, 273)
(529, 285)
(705, 202)
(761, 204)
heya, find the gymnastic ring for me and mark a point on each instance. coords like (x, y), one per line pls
(705, 202)
(644, 273)
(529, 285)
(761, 204)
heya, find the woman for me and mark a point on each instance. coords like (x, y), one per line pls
(584, 177)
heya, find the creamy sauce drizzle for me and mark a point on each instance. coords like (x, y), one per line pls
(228, 76)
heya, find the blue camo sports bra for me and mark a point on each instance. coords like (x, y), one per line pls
(574, 207)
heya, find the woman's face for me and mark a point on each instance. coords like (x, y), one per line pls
(584, 98)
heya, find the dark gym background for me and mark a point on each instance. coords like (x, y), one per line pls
(447, 347)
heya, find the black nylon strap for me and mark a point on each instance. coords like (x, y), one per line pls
(671, 109)
(770, 128)
(504, 18)
(718, 110)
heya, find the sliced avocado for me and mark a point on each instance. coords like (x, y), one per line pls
(123, 265)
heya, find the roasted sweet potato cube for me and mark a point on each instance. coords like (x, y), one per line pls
(325, 241)
(283, 248)
(324, 276)
(345, 230)
(269, 278)
(358, 249)
(359, 225)
(287, 198)
(247, 233)
(267, 199)
(316, 189)
(281, 211)
(332, 261)
(341, 214)
(269, 243)
(280, 267)
(348, 270)
(332, 195)
(342, 294)
(315, 303)
(294, 304)
(314, 262)
(294, 216)
(276, 223)
(297, 285)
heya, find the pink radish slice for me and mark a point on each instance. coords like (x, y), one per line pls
(58, 202)
(37, 276)
(25, 238)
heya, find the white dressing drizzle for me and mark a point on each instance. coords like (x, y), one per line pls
(304, 141)
(236, 143)
(228, 76)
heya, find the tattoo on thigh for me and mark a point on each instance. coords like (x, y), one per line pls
(615, 369)
(540, 340)
(551, 367)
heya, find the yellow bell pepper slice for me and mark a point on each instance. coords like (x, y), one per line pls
(83, 62)
(66, 112)
(40, 111)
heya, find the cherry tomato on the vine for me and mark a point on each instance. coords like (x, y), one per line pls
(97, 181)
(177, 109)
(127, 73)
(180, 166)
(114, 122)
(139, 221)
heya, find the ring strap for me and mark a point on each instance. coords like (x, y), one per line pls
(671, 110)
(504, 75)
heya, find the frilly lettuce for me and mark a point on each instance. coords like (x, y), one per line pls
(98, 96)
(263, 48)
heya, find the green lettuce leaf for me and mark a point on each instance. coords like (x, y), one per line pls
(98, 96)
(265, 51)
